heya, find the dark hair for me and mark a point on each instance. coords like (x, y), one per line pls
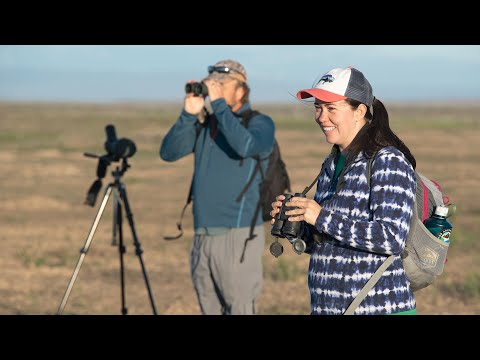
(376, 134)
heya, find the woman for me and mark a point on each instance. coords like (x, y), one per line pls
(356, 226)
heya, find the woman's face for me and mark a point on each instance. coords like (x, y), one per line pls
(339, 122)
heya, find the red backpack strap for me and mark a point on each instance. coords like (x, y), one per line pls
(425, 201)
(445, 199)
(436, 184)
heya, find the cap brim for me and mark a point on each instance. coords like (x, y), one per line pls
(320, 95)
(223, 76)
(216, 76)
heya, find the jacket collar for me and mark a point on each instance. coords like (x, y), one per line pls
(347, 166)
(243, 108)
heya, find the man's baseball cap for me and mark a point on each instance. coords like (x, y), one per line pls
(339, 84)
(227, 68)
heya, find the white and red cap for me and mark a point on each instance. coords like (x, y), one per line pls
(339, 84)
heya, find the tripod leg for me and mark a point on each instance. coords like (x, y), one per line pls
(84, 250)
(115, 217)
(138, 251)
(121, 249)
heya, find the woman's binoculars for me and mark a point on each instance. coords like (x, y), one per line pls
(198, 88)
(282, 228)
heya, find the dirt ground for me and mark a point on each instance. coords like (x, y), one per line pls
(45, 223)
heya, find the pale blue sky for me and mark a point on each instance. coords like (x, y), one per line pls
(158, 72)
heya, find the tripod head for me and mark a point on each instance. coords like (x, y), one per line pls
(117, 149)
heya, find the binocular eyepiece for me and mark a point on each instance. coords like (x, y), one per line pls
(197, 88)
(282, 228)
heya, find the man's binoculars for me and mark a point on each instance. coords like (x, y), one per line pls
(197, 88)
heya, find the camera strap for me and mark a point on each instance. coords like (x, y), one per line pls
(332, 156)
(307, 189)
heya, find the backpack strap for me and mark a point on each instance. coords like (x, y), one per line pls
(369, 177)
(388, 261)
(246, 116)
(432, 195)
(425, 201)
(369, 285)
(198, 129)
(249, 182)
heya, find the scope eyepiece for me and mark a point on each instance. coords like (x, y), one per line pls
(118, 148)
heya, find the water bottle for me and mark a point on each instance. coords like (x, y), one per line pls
(439, 225)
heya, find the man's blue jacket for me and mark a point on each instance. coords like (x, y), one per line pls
(219, 175)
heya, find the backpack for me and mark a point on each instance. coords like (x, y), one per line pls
(424, 256)
(275, 181)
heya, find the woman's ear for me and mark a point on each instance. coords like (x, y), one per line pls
(360, 112)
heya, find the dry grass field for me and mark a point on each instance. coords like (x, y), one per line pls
(44, 222)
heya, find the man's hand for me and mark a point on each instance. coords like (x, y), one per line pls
(193, 104)
(215, 89)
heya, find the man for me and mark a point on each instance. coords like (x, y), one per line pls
(225, 260)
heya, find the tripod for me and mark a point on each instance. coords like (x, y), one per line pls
(120, 195)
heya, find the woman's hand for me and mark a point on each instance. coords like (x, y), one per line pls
(306, 210)
(276, 205)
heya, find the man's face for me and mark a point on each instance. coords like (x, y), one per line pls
(233, 92)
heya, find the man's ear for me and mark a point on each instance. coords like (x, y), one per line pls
(239, 93)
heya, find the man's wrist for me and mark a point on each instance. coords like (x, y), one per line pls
(188, 115)
(218, 104)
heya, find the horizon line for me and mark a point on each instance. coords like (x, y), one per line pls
(444, 102)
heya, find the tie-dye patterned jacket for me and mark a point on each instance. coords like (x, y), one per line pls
(360, 228)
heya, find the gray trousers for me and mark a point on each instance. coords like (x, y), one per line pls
(224, 286)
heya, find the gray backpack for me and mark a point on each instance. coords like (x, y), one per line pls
(424, 255)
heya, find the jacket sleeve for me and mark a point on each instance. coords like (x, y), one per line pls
(392, 196)
(180, 139)
(258, 138)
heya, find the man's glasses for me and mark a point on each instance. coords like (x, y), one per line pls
(221, 69)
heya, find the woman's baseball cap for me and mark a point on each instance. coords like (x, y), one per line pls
(339, 84)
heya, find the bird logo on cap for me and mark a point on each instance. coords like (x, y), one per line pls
(326, 78)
